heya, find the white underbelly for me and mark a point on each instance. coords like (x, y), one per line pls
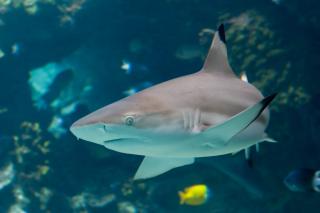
(197, 146)
(188, 145)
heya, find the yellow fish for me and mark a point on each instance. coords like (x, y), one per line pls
(194, 195)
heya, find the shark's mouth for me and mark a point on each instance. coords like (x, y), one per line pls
(117, 140)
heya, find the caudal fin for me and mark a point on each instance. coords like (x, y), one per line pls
(182, 197)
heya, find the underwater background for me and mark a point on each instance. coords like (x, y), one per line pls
(61, 59)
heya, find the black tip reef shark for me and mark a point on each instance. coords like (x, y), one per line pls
(209, 113)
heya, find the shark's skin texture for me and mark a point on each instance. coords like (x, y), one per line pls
(209, 113)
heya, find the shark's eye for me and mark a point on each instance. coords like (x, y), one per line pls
(129, 120)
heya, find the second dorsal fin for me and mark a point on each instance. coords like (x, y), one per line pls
(217, 58)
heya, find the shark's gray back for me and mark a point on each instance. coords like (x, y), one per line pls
(209, 93)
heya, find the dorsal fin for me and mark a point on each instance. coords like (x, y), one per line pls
(217, 58)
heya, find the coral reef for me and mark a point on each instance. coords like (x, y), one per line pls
(6, 175)
(29, 165)
(82, 202)
(257, 50)
(68, 9)
(53, 89)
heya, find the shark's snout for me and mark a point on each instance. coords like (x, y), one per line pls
(91, 132)
(98, 133)
(86, 120)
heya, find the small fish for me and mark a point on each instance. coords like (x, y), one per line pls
(194, 195)
(303, 180)
(126, 66)
(2, 54)
(131, 68)
(15, 49)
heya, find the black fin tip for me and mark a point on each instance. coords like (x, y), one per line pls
(266, 101)
(222, 34)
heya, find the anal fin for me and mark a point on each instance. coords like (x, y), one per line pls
(154, 166)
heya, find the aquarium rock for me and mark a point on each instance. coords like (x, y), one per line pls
(126, 207)
(40, 80)
(6, 175)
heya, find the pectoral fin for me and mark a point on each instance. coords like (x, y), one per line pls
(225, 131)
(154, 166)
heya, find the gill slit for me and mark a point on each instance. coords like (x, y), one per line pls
(191, 120)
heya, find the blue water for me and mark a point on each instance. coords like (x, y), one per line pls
(62, 59)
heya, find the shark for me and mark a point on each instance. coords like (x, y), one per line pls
(211, 112)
